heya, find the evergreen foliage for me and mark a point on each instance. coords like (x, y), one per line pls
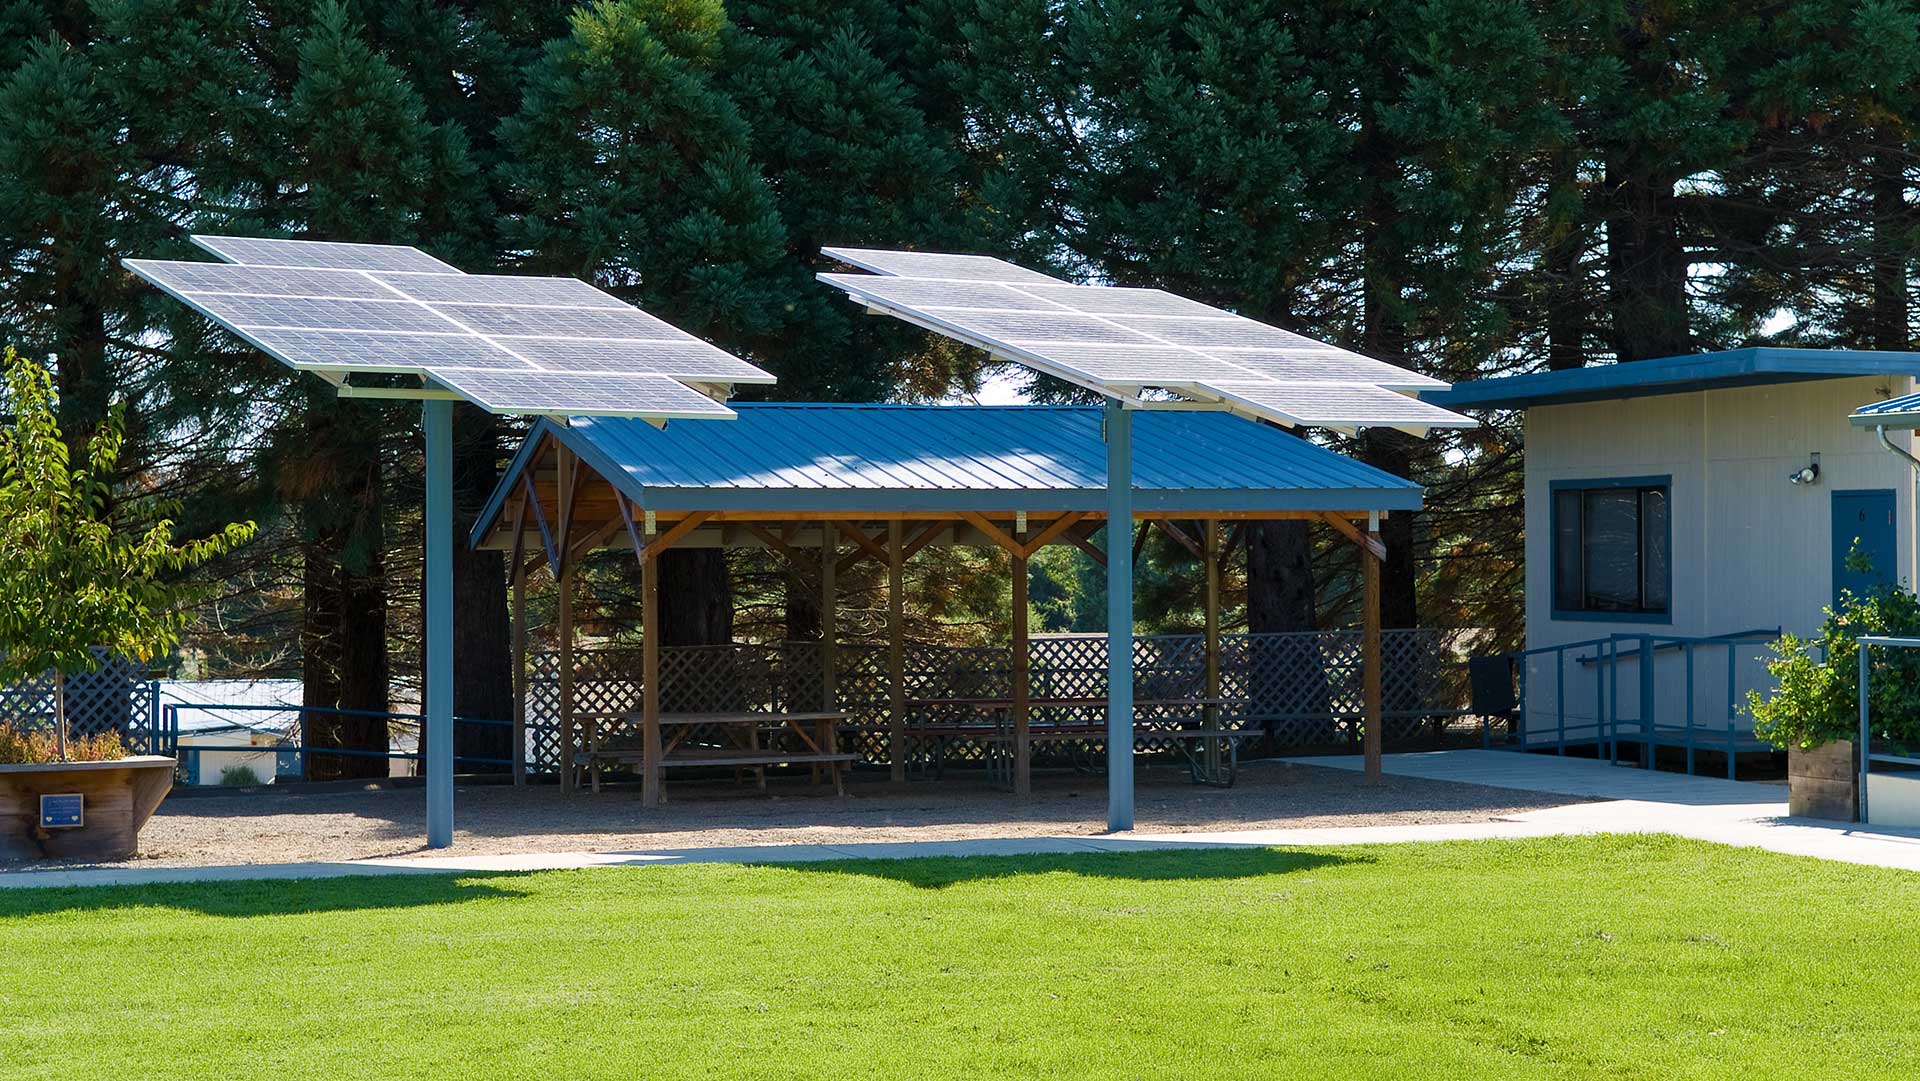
(73, 579)
(1468, 187)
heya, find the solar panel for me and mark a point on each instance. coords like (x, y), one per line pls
(257, 251)
(260, 281)
(1328, 366)
(686, 359)
(361, 351)
(501, 289)
(1149, 365)
(948, 294)
(510, 343)
(1120, 340)
(321, 313)
(920, 264)
(1337, 405)
(623, 394)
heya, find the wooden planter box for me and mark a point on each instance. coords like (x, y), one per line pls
(117, 798)
(1822, 783)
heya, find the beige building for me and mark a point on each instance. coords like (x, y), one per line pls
(1688, 510)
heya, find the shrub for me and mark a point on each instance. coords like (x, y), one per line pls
(18, 748)
(239, 777)
(1818, 699)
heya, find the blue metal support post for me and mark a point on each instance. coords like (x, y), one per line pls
(437, 423)
(1865, 751)
(1119, 433)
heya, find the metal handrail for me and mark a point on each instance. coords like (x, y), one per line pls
(1607, 727)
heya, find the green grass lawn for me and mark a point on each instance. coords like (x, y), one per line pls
(1604, 957)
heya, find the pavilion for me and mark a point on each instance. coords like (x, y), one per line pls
(828, 486)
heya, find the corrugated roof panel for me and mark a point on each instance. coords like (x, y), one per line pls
(780, 448)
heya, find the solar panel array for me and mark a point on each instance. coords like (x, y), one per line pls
(1120, 340)
(509, 343)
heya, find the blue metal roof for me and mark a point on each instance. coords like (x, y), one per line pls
(1672, 375)
(913, 458)
(1894, 414)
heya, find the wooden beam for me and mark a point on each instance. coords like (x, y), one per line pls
(650, 748)
(1022, 741)
(1051, 533)
(896, 653)
(993, 532)
(1235, 539)
(1371, 658)
(914, 544)
(546, 535)
(1167, 526)
(802, 566)
(564, 582)
(1080, 538)
(829, 626)
(923, 538)
(859, 537)
(667, 540)
(1140, 538)
(1210, 559)
(1368, 541)
(565, 465)
(518, 646)
(595, 539)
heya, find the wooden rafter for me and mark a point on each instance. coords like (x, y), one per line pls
(1167, 526)
(1371, 543)
(859, 536)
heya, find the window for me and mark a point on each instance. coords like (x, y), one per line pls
(1611, 548)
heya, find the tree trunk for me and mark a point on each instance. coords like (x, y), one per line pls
(60, 712)
(1384, 337)
(1287, 676)
(482, 637)
(343, 633)
(696, 598)
(1566, 314)
(1888, 320)
(1646, 266)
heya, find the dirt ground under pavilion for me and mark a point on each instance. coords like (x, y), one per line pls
(326, 824)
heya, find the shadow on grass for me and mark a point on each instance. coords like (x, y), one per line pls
(239, 899)
(1153, 865)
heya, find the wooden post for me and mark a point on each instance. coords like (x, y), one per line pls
(896, 652)
(1370, 655)
(1210, 552)
(650, 752)
(1022, 743)
(519, 668)
(563, 578)
(829, 620)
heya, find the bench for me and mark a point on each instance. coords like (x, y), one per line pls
(814, 731)
(729, 757)
(1212, 754)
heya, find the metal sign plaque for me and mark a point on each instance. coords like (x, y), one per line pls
(65, 811)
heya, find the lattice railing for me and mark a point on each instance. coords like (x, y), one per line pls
(116, 697)
(1298, 689)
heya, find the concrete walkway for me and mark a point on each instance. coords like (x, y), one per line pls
(1630, 801)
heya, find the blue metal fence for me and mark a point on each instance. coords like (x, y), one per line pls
(290, 754)
(1635, 713)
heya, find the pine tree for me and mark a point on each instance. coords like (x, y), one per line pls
(362, 162)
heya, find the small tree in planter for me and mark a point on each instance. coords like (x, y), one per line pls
(1817, 701)
(71, 580)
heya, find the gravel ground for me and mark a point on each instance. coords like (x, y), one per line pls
(268, 826)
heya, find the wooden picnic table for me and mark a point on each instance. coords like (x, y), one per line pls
(818, 734)
(1211, 751)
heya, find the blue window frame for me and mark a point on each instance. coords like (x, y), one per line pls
(1613, 549)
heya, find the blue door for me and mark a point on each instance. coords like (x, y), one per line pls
(1863, 523)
